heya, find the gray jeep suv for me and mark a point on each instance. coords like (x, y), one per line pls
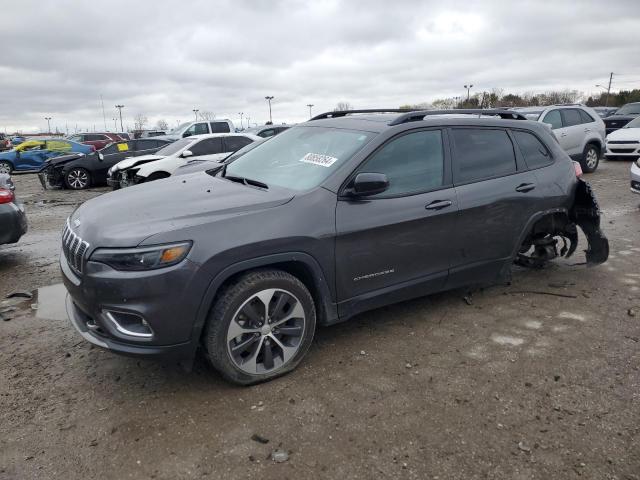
(342, 214)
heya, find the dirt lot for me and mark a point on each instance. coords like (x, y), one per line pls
(510, 385)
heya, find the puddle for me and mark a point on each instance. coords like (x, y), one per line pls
(49, 302)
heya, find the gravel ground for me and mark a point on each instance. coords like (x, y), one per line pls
(508, 384)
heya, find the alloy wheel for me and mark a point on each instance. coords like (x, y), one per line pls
(266, 331)
(78, 179)
(5, 168)
(592, 157)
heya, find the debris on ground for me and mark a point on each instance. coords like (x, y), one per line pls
(631, 312)
(279, 456)
(259, 438)
(522, 446)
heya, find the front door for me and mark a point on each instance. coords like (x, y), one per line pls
(398, 240)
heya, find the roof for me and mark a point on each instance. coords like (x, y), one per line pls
(214, 135)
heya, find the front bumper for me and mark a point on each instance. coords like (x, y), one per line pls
(166, 299)
(635, 178)
(623, 150)
(51, 178)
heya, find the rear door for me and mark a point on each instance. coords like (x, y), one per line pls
(399, 240)
(573, 126)
(553, 118)
(496, 196)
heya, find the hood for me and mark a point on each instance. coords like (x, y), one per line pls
(61, 160)
(133, 161)
(124, 218)
(625, 134)
(621, 119)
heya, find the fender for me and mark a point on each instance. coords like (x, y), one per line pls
(328, 309)
(529, 226)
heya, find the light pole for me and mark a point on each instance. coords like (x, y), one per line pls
(115, 124)
(468, 87)
(120, 107)
(310, 105)
(268, 99)
(241, 124)
(195, 111)
(48, 119)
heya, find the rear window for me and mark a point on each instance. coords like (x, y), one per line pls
(482, 153)
(220, 127)
(535, 154)
(571, 117)
(586, 118)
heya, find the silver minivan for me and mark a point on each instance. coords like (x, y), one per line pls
(579, 130)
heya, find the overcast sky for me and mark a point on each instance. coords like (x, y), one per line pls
(164, 59)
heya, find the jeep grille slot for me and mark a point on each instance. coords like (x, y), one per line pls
(73, 248)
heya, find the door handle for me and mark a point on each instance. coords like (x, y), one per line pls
(563, 134)
(587, 130)
(438, 204)
(525, 187)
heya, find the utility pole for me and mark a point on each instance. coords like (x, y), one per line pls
(195, 112)
(468, 87)
(120, 107)
(241, 124)
(104, 117)
(48, 119)
(268, 99)
(310, 105)
(606, 102)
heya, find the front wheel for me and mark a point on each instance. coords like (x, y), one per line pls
(6, 167)
(77, 179)
(260, 327)
(590, 158)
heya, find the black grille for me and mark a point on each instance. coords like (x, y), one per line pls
(622, 142)
(622, 150)
(73, 248)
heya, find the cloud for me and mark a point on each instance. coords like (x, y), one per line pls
(165, 58)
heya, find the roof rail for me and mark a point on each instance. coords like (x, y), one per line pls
(342, 113)
(416, 116)
(566, 105)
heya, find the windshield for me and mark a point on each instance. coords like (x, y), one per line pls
(635, 123)
(299, 158)
(174, 147)
(179, 128)
(238, 153)
(629, 109)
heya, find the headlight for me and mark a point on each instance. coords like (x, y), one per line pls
(143, 258)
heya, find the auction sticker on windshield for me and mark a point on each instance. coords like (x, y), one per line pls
(318, 159)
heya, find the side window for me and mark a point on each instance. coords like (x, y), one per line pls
(113, 148)
(553, 118)
(196, 129)
(220, 127)
(586, 118)
(76, 138)
(571, 117)
(482, 153)
(267, 133)
(233, 144)
(144, 145)
(208, 146)
(535, 154)
(412, 163)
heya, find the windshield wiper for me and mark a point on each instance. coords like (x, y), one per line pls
(246, 181)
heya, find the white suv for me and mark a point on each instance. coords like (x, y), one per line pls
(579, 130)
(202, 127)
(165, 161)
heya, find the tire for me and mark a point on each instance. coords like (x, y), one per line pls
(77, 179)
(6, 167)
(590, 158)
(237, 338)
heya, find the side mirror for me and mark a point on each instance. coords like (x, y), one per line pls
(550, 125)
(366, 184)
(186, 153)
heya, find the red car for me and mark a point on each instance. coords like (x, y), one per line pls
(5, 143)
(98, 140)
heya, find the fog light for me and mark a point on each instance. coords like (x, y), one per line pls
(129, 324)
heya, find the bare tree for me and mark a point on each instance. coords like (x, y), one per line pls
(140, 120)
(206, 115)
(162, 125)
(341, 106)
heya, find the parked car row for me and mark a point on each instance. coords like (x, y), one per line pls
(347, 212)
(31, 154)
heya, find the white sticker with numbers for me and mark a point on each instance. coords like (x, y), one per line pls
(317, 159)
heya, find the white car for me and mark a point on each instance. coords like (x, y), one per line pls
(579, 130)
(625, 142)
(202, 127)
(162, 164)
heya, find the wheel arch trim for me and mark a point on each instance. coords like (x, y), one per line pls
(324, 293)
